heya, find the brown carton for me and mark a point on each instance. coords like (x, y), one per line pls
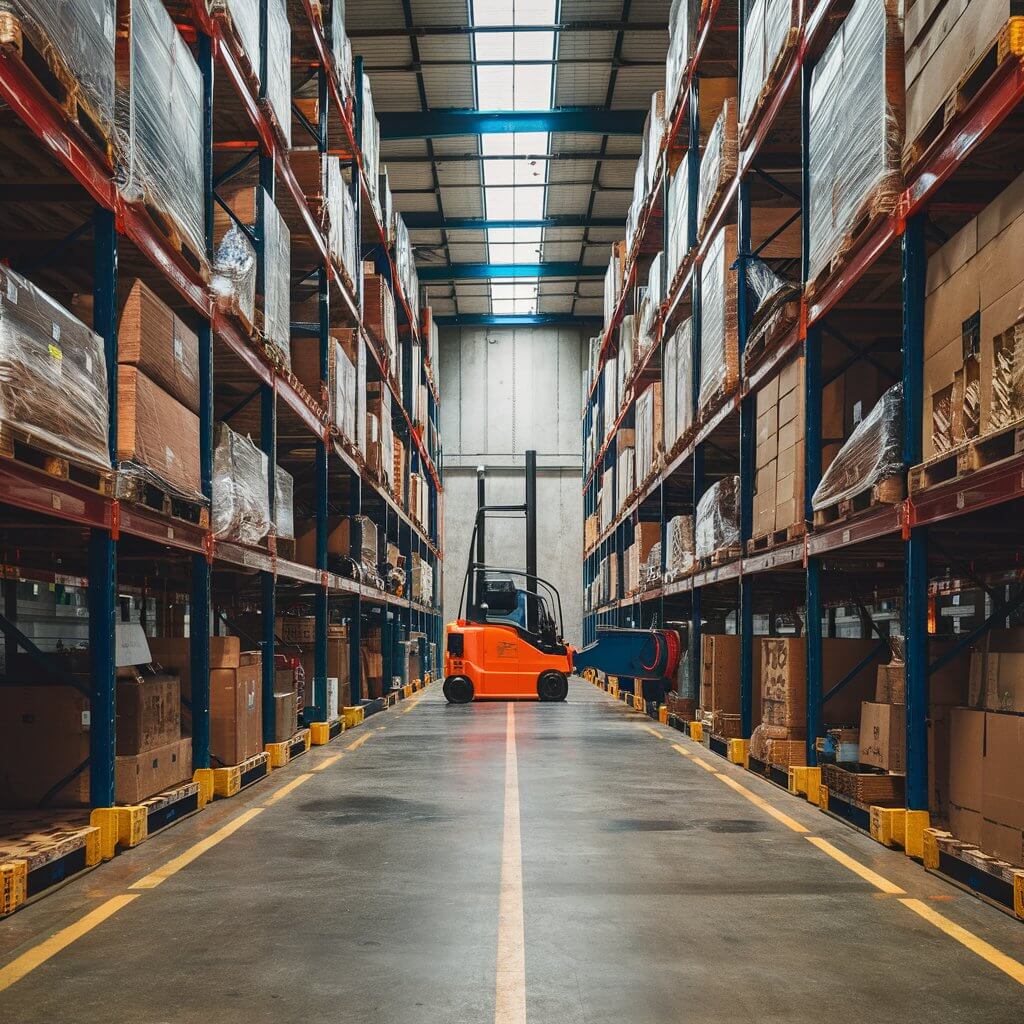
(174, 654)
(285, 719)
(148, 712)
(883, 736)
(966, 754)
(138, 776)
(236, 711)
(1002, 799)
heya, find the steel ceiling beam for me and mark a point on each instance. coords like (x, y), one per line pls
(518, 320)
(505, 271)
(413, 31)
(435, 124)
(429, 221)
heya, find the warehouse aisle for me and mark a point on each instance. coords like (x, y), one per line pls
(383, 887)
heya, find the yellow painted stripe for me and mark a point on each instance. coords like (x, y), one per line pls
(682, 750)
(856, 867)
(657, 735)
(281, 793)
(757, 801)
(32, 958)
(412, 706)
(987, 952)
(510, 973)
(359, 742)
(326, 763)
(704, 765)
(172, 867)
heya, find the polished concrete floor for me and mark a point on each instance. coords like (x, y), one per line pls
(651, 891)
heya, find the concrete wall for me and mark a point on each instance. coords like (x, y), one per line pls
(504, 391)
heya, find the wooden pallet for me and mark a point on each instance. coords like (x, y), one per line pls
(776, 538)
(889, 491)
(710, 403)
(47, 65)
(771, 80)
(774, 325)
(997, 882)
(1007, 45)
(979, 453)
(865, 787)
(23, 446)
(144, 492)
(177, 238)
(720, 556)
(171, 805)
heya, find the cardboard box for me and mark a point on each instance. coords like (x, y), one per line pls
(236, 711)
(1003, 771)
(1003, 842)
(890, 683)
(339, 541)
(174, 654)
(1004, 681)
(883, 736)
(965, 824)
(966, 755)
(285, 719)
(148, 712)
(297, 629)
(720, 676)
(139, 776)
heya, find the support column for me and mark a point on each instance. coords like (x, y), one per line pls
(268, 582)
(355, 632)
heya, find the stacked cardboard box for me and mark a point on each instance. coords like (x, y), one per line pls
(677, 385)
(614, 280)
(338, 392)
(720, 700)
(974, 335)
(340, 537)
(717, 165)
(646, 536)
(779, 452)
(338, 673)
(719, 354)
(379, 313)
(380, 436)
(771, 30)
(650, 431)
(398, 458)
(625, 469)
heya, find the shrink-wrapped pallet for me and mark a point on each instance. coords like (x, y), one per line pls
(370, 144)
(241, 488)
(654, 134)
(677, 213)
(405, 265)
(677, 385)
(771, 30)
(719, 355)
(873, 452)
(341, 46)
(159, 114)
(856, 129)
(678, 547)
(53, 376)
(649, 431)
(76, 37)
(339, 214)
(278, 87)
(682, 27)
(284, 504)
(717, 164)
(379, 313)
(277, 282)
(715, 522)
(233, 282)
(244, 17)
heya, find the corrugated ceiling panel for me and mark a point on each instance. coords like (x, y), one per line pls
(461, 172)
(555, 304)
(618, 174)
(624, 144)
(568, 199)
(561, 250)
(379, 14)
(420, 202)
(438, 12)
(594, 10)
(591, 287)
(581, 86)
(597, 255)
(442, 306)
(457, 144)
(589, 307)
(462, 202)
(476, 237)
(645, 46)
(425, 237)
(635, 86)
(476, 304)
(409, 176)
(383, 51)
(571, 170)
(565, 143)
(597, 45)
(403, 147)
(449, 87)
(468, 252)
(394, 92)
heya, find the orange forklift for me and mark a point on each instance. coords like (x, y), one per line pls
(507, 641)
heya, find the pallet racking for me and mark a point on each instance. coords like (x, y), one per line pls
(123, 554)
(948, 553)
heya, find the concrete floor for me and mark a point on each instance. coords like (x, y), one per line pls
(652, 893)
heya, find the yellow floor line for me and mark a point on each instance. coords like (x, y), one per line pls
(37, 955)
(979, 947)
(510, 969)
(411, 707)
(172, 867)
(707, 767)
(356, 744)
(757, 801)
(657, 735)
(326, 763)
(856, 867)
(280, 794)
(682, 750)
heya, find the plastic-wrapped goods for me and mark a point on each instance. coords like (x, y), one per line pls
(344, 405)
(649, 431)
(1008, 376)
(719, 355)
(677, 213)
(873, 452)
(653, 298)
(53, 375)
(771, 29)
(613, 281)
(628, 352)
(77, 38)
(234, 275)
(341, 47)
(650, 571)
(682, 27)
(716, 523)
(677, 385)
(405, 264)
(244, 16)
(279, 67)
(343, 232)
(277, 282)
(611, 394)
(241, 488)
(717, 164)
(654, 134)
(370, 143)
(379, 313)
(284, 504)
(856, 128)
(159, 120)
(678, 547)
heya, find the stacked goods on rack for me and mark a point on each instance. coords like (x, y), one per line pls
(242, 18)
(646, 168)
(614, 281)
(235, 269)
(159, 124)
(625, 466)
(158, 399)
(53, 378)
(372, 665)
(277, 88)
(379, 316)
(720, 701)
(405, 267)
(338, 215)
(342, 534)
(868, 470)
(421, 580)
(677, 217)
(682, 27)
(717, 166)
(719, 351)
(341, 48)
(612, 398)
(77, 46)
(650, 433)
(974, 343)
(398, 463)
(380, 437)
(337, 674)
(679, 547)
(646, 542)
(677, 387)
(716, 531)
(284, 505)
(241, 488)
(369, 144)
(649, 307)
(419, 499)
(770, 33)
(606, 499)
(340, 388)
(387, 206)
(856, 132)
(627, 355)
(779, 457)
(775, 308)
(951, 48)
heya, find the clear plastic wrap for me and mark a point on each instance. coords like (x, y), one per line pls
(277, 282)
(279, 66)
(370, 143)
(344, 399)
(611, 394)
(159, 121)
(284, 504)
(678, 547)
(405, 264)
(653, 298)
(244, 16)
(678, 215)
(682, 27)
(677, 383)
(873, 452)
(856, 128)
(1008, 376)
(77, 38)
(649, 431)
(234, 275)
(771, 27)
(342, 234)
(716, 524)
(654, 134)
(53, 375)
(719, 355)
(341, 47)
(717, 164)
(241, 488)
(650, 571)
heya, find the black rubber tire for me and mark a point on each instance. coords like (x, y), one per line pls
(552, 686)
(457, 690)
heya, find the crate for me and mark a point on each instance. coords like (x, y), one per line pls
(147, 493)
(985, 452)
(22, 446)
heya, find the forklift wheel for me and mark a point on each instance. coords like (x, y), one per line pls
(552, 686)
(457, 690)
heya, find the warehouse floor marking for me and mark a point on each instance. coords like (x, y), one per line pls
(764, 805)
(326, 763)
(510, 972)
(281, 793)
(359, 742)
(855, 866)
